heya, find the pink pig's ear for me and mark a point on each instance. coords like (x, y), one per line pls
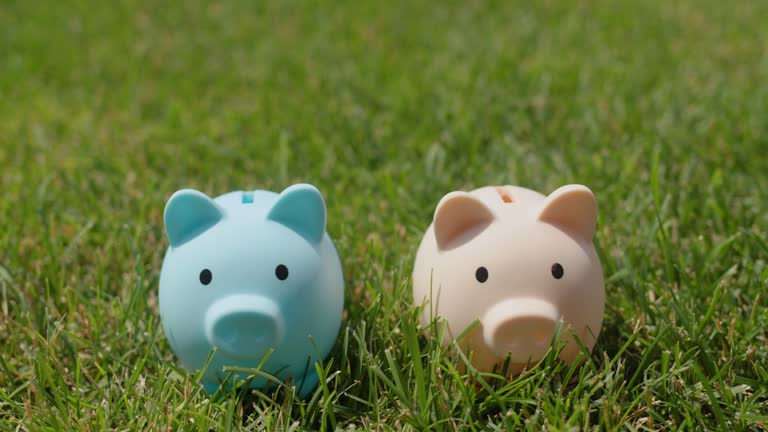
(574, 208)
(460, 216)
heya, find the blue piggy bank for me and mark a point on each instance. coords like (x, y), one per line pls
(249, 273)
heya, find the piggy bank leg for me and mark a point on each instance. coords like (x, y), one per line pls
(306, 385)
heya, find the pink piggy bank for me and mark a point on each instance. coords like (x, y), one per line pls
(521, 263)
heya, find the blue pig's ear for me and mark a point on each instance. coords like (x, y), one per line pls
(301, 208)
(188, 214)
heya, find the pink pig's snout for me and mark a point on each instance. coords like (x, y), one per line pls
(244, 326)
(520, 327)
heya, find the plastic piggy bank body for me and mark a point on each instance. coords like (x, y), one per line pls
(521, 263)
(251, 273)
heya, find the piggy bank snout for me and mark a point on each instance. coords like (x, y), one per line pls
(522, 328)
(244, 326)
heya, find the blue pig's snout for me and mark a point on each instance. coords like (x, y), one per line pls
(244, 326)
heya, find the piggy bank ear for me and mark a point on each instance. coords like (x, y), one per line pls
(188, 214)
(460, 216)
(301, 208)
(574, 208)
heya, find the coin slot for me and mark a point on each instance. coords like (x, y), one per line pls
(504, 195)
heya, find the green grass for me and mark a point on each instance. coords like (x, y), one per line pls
(660, 107)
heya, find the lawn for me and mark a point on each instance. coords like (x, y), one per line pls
(107, 108)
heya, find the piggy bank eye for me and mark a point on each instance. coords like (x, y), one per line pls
(557, 271)
(206, 277)
(481, 274)
(281, 272)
